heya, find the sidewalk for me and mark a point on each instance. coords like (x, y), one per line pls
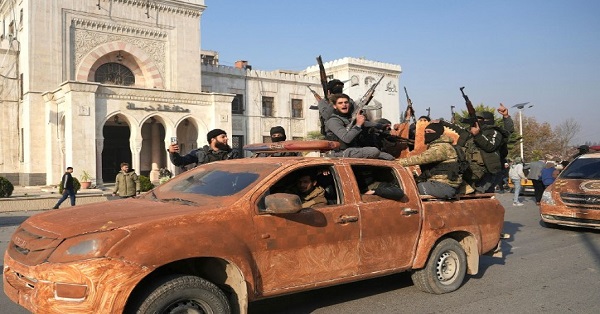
(26, 198)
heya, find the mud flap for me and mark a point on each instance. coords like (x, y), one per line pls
(497, 252)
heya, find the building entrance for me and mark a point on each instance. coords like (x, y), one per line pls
(116, 150)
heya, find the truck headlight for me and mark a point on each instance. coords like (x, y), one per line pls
(92, 245)
(547, 198)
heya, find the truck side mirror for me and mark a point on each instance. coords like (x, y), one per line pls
(282, 203)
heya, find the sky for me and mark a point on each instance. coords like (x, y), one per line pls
(545, 52)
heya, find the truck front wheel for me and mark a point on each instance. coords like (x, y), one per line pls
(445, 270)
(184, 294)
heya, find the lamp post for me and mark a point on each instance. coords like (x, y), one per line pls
(521, 106)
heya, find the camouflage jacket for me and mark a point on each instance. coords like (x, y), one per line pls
(315, 197)
(439, 154)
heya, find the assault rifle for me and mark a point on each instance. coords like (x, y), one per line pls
(323, 76)
(364, 100)
(470, 108)
(410, 112)
(317, 97)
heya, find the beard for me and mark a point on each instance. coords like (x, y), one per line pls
(222, 146)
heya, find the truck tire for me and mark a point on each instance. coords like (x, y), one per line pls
(445, 269)
(184, 294)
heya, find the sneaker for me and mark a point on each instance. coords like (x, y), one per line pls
(55, 207)
(518, 204)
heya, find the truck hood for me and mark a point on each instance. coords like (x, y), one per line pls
(580, 186)
(69, 222)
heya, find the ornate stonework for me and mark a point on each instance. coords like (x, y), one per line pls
(90, 34)
(162, 7)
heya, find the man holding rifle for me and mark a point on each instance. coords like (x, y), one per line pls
(339, 127)
(485, 147)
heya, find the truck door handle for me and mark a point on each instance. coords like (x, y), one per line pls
(409, 211)
(346, 219)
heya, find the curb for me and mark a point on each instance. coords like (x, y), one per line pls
(22, 203)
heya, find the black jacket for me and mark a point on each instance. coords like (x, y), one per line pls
(67, 181)
(202, 155)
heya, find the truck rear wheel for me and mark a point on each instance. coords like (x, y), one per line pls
(185, 294)
(445, 270)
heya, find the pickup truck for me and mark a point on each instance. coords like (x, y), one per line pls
(227, 233)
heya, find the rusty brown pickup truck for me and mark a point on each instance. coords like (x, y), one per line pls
(227, 233)
(574, 198)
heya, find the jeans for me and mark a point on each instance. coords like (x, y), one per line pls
(67, 193)
(364, 152)
(517, 183)
(436, 188)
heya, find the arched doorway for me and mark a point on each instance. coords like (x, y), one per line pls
(153, 154)
(116, 149)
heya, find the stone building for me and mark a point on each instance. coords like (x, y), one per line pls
(93, 83)
(266, 99)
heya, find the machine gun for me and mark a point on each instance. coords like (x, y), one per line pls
(364, 100)
(410, 112)
(470, 108)
(323, 76)
(317, 96)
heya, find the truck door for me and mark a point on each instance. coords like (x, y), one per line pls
(390, 226)
(317, 244)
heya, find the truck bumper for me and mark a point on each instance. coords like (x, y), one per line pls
(90, 286)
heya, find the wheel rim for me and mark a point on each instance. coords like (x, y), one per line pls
(188, 307)
(447, 267)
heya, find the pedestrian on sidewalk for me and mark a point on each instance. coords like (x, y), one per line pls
(127, 182)
(535, 175)
(516, 174)
(68, 188)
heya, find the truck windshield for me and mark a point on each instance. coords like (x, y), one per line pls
(582, 168)
(209, 180)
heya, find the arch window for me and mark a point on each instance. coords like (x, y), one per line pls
(114, 73)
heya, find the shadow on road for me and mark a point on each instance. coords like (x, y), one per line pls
(510, 229)
(308, 302)
(12, 221)
(584, 235)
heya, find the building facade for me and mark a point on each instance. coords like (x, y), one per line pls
(266, 99)
(93, 83)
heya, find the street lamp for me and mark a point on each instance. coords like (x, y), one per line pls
(521, 106)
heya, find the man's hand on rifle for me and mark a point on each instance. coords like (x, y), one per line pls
(475, 129)
(360, 119)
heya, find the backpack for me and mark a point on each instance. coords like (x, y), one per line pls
(475, 169)
(461, 159)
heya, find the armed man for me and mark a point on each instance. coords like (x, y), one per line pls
(342, 128)
(440, 173)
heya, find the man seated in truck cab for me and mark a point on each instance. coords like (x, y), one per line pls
(307, 183)
(309, 192)
(377, 181)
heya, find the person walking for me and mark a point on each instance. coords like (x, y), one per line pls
(535, 175)
(127, 182)
(516, 174)
(68, 188)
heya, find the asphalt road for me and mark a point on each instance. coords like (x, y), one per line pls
(543, 271)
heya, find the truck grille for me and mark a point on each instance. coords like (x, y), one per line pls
(31, 246)
(573, 199)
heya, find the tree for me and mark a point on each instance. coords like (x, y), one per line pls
(565, 132)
